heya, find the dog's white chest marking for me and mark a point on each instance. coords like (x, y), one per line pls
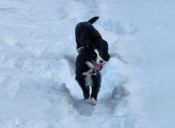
(89, 73)
(88, 80)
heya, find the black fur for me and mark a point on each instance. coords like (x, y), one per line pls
(86, 34)
(92, 20)
(87, 54)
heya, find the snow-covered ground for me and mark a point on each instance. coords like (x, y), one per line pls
(37, 49)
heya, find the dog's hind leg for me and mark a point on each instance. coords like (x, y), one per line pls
(82, 84)
(96, 85)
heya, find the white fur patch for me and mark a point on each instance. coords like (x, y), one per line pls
(79, 49)
(89, 73)
(92, 101)
(91, 70)
(88, 80)
(90, 65)
(99, 58)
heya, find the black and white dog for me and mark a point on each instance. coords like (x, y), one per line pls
(93, 52)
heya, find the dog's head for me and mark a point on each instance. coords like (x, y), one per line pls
(102, 48)
(93, 58)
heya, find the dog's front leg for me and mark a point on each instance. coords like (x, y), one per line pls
(82, 84)
(96, 85)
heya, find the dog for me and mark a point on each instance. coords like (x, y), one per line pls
(86, 34)
(92, 55)
(87, 73)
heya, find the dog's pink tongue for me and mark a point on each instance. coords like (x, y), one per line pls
(98, 67)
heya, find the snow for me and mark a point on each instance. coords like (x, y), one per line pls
(37, 52)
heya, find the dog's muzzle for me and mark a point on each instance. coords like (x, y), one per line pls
(97, 66)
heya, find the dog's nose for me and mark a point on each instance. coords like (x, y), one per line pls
(101, 61)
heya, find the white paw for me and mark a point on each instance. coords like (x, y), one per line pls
(92, 101)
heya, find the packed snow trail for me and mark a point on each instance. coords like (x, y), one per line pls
(37, 85)
(37, 50)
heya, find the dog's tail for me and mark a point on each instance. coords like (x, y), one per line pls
(92, 20)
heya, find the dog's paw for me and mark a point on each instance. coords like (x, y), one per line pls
(92, 101)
